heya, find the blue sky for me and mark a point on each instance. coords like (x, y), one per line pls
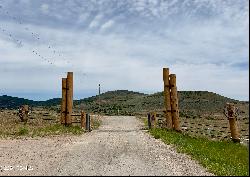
(123, 45)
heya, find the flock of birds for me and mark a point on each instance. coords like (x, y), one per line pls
(35, 37)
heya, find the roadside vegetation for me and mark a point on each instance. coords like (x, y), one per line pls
(223, 158)
(31, 131)
(56, 129)
(38, 125)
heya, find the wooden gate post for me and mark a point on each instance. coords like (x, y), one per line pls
(63, 102)
(149, 121)
(232, 122)
(87, 123)
(69, 98)
(167, 101)
(83, 119)
(174, 103)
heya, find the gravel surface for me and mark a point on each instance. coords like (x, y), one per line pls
(118, 147)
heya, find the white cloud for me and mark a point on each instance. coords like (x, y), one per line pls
(213, 78)
(132, 52)
(95, 22)
(45, 8)
(107, 25)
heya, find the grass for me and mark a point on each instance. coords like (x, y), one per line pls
(223, 158)
(57, 129)
(95, 123)
(22, 131)
(10, 126)
(53, 129)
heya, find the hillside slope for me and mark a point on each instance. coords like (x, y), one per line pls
(130, 103)
(124, 102)
(14, 102)
(10, 102)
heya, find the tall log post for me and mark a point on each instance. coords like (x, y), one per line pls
(167, 101)
(232, 122)
(174, 103)
(69, 98)
(63, 102)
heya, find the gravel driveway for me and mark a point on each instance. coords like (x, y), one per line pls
(118, 147)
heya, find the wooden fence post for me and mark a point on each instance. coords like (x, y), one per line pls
(153, 119)
(69, 98)
(87, 122)
(174, 103)
(232, 122)
(63, 101)
(167, 101)
(83, 119)
(149, 121)
(156, 121)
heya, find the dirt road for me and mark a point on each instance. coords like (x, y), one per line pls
(118, 147)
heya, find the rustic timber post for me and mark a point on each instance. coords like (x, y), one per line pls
(174, 103)
(153, 119)
(63, 102)
(87, 122)
(149, 121)
(155, 123)
(69, 98)
(83, 119)
(167, 101)
(231, 112)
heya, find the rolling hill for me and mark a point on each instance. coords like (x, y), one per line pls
(124, 102)
(131, 103)
(10, 102)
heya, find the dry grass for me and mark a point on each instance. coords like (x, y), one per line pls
(10, 124)
(41, 123)
(214, 127)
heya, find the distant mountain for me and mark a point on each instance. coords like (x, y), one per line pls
(127, 102)
(15, 102)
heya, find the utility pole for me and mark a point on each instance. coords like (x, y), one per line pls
(99, 100)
